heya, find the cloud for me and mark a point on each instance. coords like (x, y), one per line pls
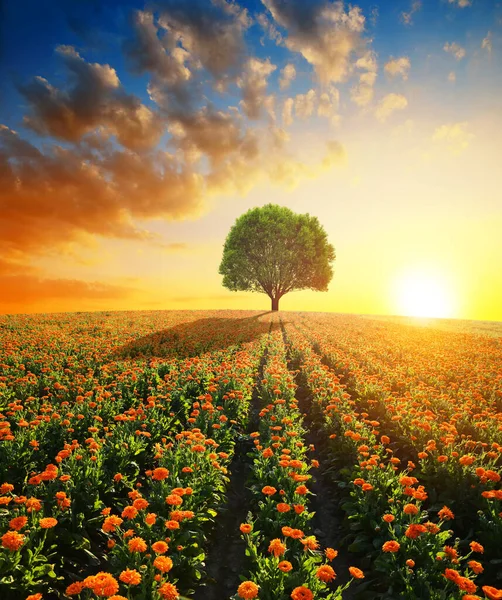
(398, 67)
(253, 84)
(185, 42)
(362, 93)
(329, 103)
(461, 3)
(407, 17)
(305, 104)
(287, 112)
(324, 33)
(487, 43)
(94, 98)
(454, 136)
(452, 77)
(389, 104)
(455, 49)
(287, 76)
(19, 291)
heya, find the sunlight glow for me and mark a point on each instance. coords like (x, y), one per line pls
(423, 295)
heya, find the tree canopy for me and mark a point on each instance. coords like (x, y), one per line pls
(275, 251)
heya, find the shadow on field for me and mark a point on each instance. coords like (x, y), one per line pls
(198, 337)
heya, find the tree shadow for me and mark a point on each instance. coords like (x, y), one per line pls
(197, 337)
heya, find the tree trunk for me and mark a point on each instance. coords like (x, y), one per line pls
(275, 303)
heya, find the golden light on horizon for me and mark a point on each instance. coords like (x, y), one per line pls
(423, 294)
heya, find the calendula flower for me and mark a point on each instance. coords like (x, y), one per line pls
(12, 540)
(168, 591)
(130, 577)
(356, 573)
(276, 547)
(163, 563)
(245, 528)
(137, 544)
(325, 573)
(159, 547)
(391, 546)
(285, 566)
(248, 590)
(302, 593)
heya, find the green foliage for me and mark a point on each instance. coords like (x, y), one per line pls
(273, 250)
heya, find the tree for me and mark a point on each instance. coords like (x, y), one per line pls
(274, 250)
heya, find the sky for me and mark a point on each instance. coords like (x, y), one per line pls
(133, 134)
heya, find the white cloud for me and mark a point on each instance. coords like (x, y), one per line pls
(398, 67)
(287, 76)
(455, 49)
(454, 135)
(389, 104)
(452, 77)
(287, 112)
(407, 17)
(461, 3)
(253, 83)
(487, 43)
(305, 104)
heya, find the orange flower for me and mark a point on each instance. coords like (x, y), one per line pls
(388, 518)
(160, 547)
(246, 528)
(174, 500)
(172, 525)
(137, 544)
(302, 593)
(310, 543)
(330, 553)
(34, 596)
(150, 518)
(325, 573)
(282, 507)
(160, 473)
(268, 490)
(12, 540)
(285, 566)
(48, 523)
(446, 514)
(129, 512)
(414, 530)
(248, 590)
(299, 508)
(391, 546)
(475, 547)
(18, 523)
(410, 509)
(410, 563)
(492, 593)
(301, 490)
(130, 577)
(163, 563)
(168, 591)
(75, 588)
(356, 573)
(102, 584)
(276, 547)
(111, 523)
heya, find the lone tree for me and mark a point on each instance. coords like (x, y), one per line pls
(276, 251)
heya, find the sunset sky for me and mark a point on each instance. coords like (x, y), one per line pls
(133, 134)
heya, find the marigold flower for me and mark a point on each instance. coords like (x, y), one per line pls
(168, 591)
(12, 540)
(102, 584)
(171, 524)
(276, 547)
(129, 512)
(492, 593)
(451, 574)
(285, 566)
(299, 508)
(282, 507)
(248, 590)
(34, 597)
(150, 518)
(310, 543)
(391, 546)
(415, 530)
(446, 514)
(410, 509)
(174, 500)
(48, 523)
(301, 490)
(356, 573)
(137, 544)
(331, 553)
(246, 528)
(163, 563)
(111, 523)
(160, 547)
(75, 588)
(268, 490)
(388, 518)
(160, 473)
(130, 577)
(18, 523)
(410, 563)
(476, 547)
(325, 573)
(302, 593)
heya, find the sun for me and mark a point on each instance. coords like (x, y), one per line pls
(422, 294)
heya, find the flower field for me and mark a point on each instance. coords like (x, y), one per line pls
(366, 456)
